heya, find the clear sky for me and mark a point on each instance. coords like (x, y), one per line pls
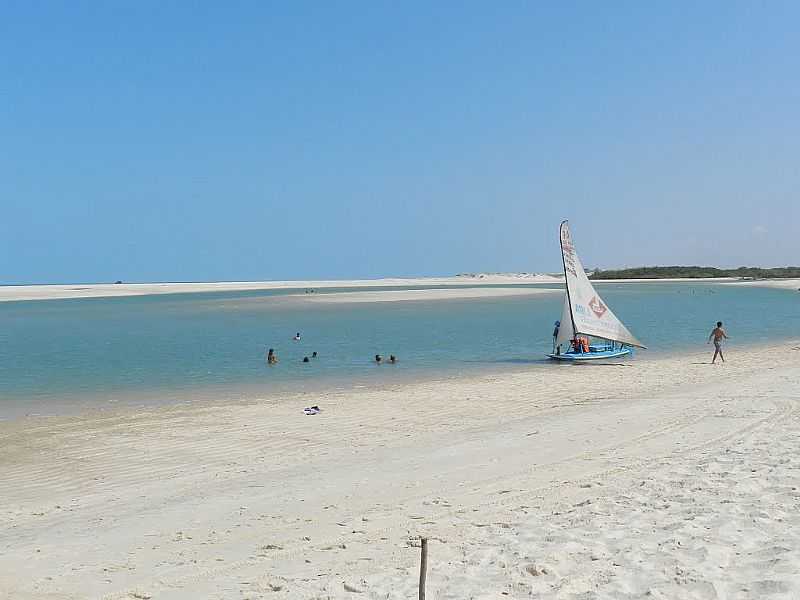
(255, 140)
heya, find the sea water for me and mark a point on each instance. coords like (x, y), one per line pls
(57, 356)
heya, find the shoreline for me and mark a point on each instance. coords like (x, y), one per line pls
(521, 483)
(216, 397)
(127, 402)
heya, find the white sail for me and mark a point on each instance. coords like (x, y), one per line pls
(565, 331)
(589, 314)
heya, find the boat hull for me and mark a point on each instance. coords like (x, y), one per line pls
(593, 355)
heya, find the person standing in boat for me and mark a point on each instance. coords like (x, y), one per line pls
(555, 337)
(717, 335)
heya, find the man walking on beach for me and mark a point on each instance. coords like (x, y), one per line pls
(717, 334)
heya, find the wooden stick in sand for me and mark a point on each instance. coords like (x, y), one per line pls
(423, 568)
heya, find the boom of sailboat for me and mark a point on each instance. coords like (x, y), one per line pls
(585, 317)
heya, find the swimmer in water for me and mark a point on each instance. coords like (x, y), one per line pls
(272, 358)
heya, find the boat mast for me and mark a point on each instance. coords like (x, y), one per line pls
(566, 285)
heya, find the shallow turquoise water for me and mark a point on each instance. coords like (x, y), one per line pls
(53, 353)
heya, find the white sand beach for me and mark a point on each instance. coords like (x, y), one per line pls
(654, 478)
(10, 293)
(105, 290)
(783, 284)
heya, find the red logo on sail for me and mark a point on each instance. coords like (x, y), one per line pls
(597, 307)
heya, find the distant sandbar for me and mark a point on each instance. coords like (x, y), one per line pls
(108, 290)
(430, 294)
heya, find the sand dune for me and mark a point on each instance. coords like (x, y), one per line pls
(666, 478)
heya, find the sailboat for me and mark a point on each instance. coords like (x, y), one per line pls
(586, 318)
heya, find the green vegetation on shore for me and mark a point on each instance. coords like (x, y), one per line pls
(695, 272)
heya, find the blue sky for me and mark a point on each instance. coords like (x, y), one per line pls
(212, 141)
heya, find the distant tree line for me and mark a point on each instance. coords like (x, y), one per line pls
(695, 272)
